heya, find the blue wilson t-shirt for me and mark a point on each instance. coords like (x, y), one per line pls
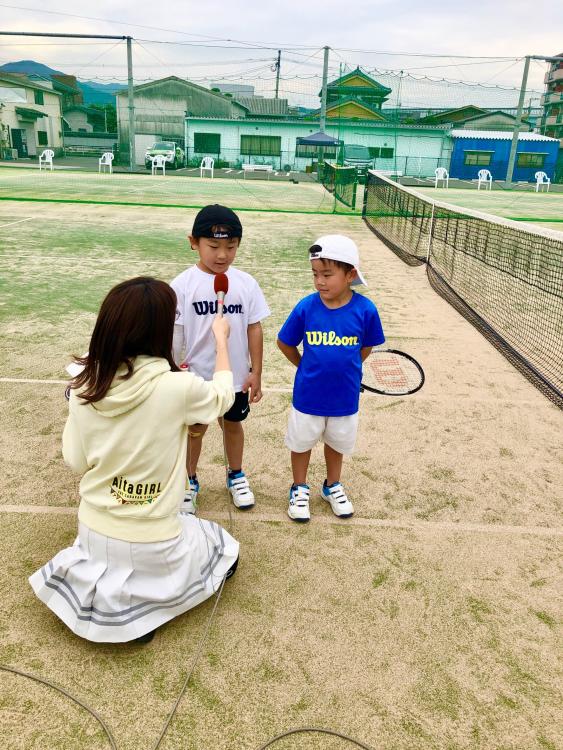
(329, 375)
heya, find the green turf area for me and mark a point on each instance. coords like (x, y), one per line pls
(429, 620)
(541, 209)
(170, 190)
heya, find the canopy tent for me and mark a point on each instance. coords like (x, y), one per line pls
(318, 146)
(318, 139)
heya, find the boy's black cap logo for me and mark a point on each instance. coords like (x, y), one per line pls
(217, 222)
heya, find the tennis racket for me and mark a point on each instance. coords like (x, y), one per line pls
(391, 373)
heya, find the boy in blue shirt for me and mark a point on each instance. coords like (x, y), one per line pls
(338, 329)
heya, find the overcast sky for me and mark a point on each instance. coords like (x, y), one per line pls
(433, 27)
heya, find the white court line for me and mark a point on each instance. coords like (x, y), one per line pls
(33, 380)
(131, 261)
(377, 523)
(265, 388)
(11, 223)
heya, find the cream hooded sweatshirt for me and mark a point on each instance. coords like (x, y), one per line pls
(131, 447)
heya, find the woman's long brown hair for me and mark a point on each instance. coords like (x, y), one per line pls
(137, 317)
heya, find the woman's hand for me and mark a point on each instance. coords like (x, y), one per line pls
(221, 329)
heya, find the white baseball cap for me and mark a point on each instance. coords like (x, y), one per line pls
(338, 247)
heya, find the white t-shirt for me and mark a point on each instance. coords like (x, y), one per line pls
(197, 305)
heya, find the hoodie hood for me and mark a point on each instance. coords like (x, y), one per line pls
(125, 395)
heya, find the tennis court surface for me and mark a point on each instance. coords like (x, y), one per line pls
(431, 619)
(183, 190)
(540, 209)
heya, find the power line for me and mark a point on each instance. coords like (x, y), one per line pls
(257, 45)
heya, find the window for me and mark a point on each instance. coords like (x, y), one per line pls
(207, 143)
(11, 94)
(39, 99)
(260, 145)
(377, 152)
(530, 160)
(306, 150)
(42, 139)
(477, 158)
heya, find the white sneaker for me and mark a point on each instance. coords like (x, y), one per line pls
(241, 493)
(189, 504)
(299, 503)
(335, 495)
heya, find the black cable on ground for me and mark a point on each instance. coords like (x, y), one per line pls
(303, 730)
(81, 703)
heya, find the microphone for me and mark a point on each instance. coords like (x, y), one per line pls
(221, 287)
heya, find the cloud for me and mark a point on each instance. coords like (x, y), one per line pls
(506, 29)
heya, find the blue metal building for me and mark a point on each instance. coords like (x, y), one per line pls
(489, 149)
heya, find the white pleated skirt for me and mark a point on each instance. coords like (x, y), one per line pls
(111, 591)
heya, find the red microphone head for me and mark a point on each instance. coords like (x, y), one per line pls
(221, 283)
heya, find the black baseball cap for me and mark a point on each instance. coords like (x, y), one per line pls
(217, 216)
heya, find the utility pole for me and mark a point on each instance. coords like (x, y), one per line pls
(277, 66)
(130, 105)
(323, 94)
(517, 123)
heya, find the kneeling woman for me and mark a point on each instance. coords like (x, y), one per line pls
(137, 562)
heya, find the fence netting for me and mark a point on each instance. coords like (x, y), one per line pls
(341, 181)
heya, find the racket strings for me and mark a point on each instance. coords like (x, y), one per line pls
(391, 372)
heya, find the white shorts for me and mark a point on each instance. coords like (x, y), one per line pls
(304, 431)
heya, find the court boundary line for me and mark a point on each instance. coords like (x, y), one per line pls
(376, 523)
(130, 261)
(20, 221)
(184, 206)
(265, 389)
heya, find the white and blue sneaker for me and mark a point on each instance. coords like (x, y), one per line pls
(189, 504)
(335, 495)
(299, 503)
(238, 486)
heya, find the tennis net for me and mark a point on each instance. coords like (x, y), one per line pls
(505, 279)
(342, 182)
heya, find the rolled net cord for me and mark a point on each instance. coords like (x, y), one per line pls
(505, 279)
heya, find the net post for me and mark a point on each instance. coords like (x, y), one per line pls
(130, 105)
(430, 234)
(517, 125)
(324, 88)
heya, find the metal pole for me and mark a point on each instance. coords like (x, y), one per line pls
(67, 36)
(517, 124)
(186, 138)
(323, 94)
(130, 105)
(278, 66)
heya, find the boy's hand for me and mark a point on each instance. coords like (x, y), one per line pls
(254, 383)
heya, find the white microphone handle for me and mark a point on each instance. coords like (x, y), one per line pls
(220, 303)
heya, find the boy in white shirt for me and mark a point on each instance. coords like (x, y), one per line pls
(216, 236)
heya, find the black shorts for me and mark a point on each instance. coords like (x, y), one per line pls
(240, 410)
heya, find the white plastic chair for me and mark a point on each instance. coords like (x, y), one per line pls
(105, 161)
(207, 164)
(542, 179)
(46, 159)
(485, 177)
(158, 162)
(441, 174)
